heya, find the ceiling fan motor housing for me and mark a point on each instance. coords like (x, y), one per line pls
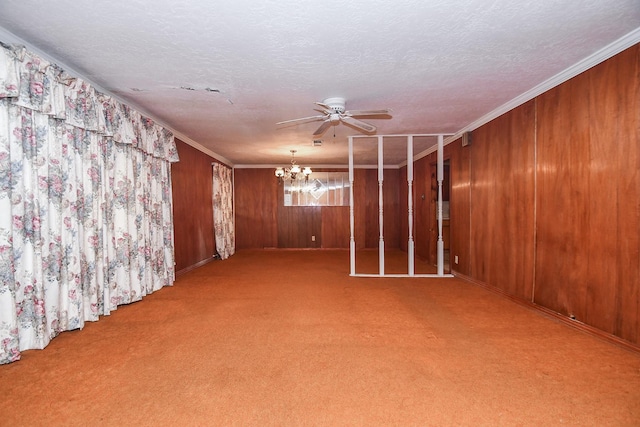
(334, 112)
(336, 104)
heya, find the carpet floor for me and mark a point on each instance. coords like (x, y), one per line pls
(287, 338)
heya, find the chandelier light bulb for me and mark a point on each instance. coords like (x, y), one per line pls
(290, 173)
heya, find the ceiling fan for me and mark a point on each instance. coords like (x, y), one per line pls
(334, 112)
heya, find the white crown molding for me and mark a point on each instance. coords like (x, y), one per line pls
(8, 37)
(590, 61)
(201, 148)
(602, 55)
(596, 58)
(428, 151)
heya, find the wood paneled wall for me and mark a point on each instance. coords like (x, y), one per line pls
(588, 209)
(391, 208)
(191, 180)
(262, 220)
(502, 202)
(422, 206)
(335, 228)
(256, 205)
(545, 202)
(298, 226)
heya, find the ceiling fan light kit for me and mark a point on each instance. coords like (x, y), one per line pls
(334, 112)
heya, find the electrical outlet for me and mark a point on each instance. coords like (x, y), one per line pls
(455, 259)
(313, 238)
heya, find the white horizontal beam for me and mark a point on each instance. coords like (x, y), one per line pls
(401, 275)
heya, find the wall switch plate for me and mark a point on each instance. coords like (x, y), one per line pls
(313, 238)
(455, 259)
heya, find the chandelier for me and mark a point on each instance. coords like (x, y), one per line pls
(292, 172)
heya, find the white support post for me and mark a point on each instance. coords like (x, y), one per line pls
(352, 240)
(411, 243)
(440, 247)
(380, 205)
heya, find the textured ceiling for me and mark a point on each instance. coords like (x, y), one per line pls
(438, 65)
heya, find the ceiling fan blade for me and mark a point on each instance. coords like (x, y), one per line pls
(323, 128)
(325, 108)
(302, 120)
(362, 113)
(358, 124)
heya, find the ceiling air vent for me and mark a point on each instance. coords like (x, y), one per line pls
(317, 143)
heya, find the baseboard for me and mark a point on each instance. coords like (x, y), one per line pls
(583, 327)
(304, 249)
(193, 267)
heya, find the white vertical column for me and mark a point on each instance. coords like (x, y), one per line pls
(410, 245)
(380, 205)
(440, 246)
(352, 240)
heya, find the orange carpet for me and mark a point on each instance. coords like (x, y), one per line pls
(287, 338)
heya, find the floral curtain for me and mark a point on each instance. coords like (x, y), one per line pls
(85, 203)
(223, 224)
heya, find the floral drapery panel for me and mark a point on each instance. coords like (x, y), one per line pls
(85, 203)
(223, 224)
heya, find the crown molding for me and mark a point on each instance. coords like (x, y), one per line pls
(596, 58)
(8, 37)
(590, 61)
(201, 148)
